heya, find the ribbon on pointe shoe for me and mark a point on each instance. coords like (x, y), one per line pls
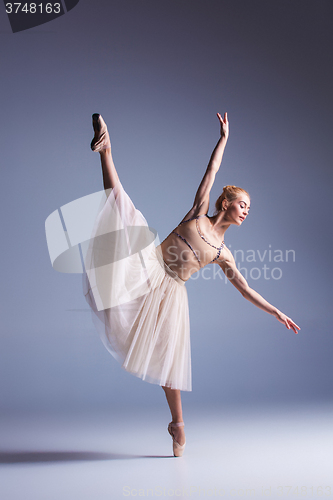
(177, 448)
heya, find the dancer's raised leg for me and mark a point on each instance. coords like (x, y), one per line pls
(175, 404)
(110, 176)
(101, 144)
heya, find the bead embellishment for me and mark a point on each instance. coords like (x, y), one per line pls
(219, 249)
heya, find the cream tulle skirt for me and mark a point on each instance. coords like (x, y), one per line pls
(140, 306)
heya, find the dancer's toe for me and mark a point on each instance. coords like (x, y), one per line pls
(101, 138)
(176, 430)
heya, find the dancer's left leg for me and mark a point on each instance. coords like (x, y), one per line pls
(175, 404)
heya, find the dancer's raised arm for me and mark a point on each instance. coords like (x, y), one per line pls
(235, 277)
(201, 201)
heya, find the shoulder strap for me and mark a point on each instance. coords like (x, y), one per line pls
(193, 218)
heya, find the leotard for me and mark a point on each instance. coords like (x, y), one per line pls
(219, 249)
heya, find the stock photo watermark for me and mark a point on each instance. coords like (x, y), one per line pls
(252, 264)
(78, 243)
(198, 491)
(26, 15)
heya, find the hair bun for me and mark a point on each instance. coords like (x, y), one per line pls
(229, 193)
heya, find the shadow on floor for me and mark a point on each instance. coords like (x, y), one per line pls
(16, 457)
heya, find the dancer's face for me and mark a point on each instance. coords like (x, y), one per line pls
(238, 210)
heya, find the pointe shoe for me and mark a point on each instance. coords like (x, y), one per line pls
(101, 138)
(177, 448)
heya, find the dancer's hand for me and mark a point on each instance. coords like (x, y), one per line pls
(288, 322)
(224, 125)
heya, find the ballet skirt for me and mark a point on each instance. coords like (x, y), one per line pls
(139, 305)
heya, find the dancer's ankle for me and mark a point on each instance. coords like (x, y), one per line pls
(106, 152)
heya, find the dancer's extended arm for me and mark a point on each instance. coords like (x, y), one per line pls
(237, 279)
(201, 201)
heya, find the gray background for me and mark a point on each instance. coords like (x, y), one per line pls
(158, 71)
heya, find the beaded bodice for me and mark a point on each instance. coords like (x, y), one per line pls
(219, 249)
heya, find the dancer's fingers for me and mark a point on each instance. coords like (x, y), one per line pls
(290, 324)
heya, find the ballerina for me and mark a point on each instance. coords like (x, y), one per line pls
(148, 332)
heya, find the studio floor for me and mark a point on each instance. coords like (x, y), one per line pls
(281, 452)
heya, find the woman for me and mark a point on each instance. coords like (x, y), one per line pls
(142, 314)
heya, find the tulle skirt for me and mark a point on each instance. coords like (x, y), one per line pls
(140, 306)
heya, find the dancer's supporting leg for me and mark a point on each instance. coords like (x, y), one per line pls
(175, 404)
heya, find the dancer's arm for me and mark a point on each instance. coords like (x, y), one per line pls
(237, 279)
(201, 201)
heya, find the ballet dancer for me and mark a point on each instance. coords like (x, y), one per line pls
(149, 331)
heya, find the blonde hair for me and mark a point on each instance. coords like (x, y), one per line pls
(229, 193)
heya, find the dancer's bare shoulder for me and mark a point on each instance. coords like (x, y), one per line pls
(196, 210)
